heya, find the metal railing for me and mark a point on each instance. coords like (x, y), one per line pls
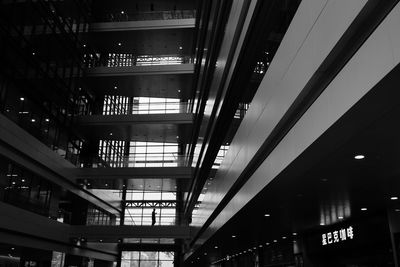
(145, 108)
(134, 160)
(143, 16)
(129, 60)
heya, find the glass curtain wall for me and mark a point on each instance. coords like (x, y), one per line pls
(139, 206)
(147, 259)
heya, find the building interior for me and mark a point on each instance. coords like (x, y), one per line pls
(180, 133)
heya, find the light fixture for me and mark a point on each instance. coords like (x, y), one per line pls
(363, 209)
(111, 134)
(216, 247)
(47, 120)
(84, 45)
(267, 215)
(21, 98)
(33, 120)
(122, 12)
(397, 210)
(12, 248)
(283, 237)
(88, 184)
(294, 234)
(106, 184)
(233, 236)
(119, 44)
(33, 53)
(275, 241)
(101, 240)
(394, 198)
(180, 48)
(115, 87)
(340, 217)
(359, 156)
(322, 224)
(23, 180)
(179, 91)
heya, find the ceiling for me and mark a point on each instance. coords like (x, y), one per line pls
(163, 86)
(326, 184)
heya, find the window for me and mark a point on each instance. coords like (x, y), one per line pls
(147, 259)
(139, 206)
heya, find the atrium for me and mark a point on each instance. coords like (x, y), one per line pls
(196, 133)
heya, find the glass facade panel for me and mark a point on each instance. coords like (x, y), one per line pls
(147, 258)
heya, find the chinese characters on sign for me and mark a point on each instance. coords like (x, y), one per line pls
(338, 236)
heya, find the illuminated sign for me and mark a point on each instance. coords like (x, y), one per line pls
(338, 236)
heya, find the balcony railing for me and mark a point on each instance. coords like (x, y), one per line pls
(129, 60)
(143, 16)
(145, 108)
(134, 160)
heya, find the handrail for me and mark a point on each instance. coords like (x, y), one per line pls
(143, 16)
(129, 60)
(134, 160)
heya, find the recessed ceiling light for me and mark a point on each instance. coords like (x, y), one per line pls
(23, 180)
(21, 98)
(283, 237)
(84, 45)
(294, 234)
(106, 184)
(359, 156)
(119, 44)
(363, 209)
(216, 247)
(122, 12)
(12, 248)
(233, 236)
(275, 241)
(260, 246)
(179, 91)
(340, 217)
(101, 240)
(47, 120)
(205, 253)
(322, 224)
(33, 53)
(115, 87)
(111, 134)
(180, 48)
(33, 120)
(267, 215)
(394, 198)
